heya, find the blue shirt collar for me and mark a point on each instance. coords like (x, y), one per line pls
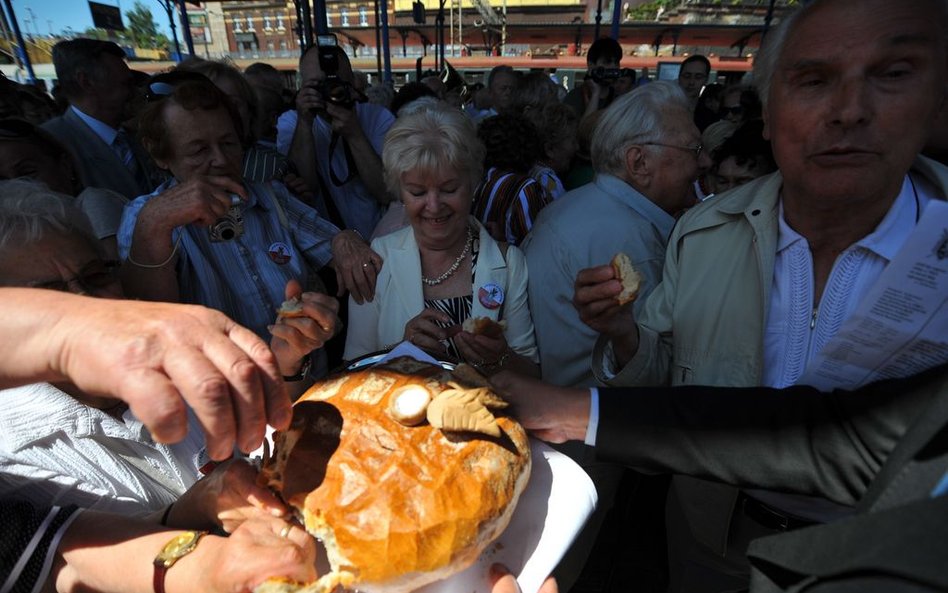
(103, 130)
(631, 197)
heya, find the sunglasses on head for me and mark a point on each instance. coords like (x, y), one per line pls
(164, 84)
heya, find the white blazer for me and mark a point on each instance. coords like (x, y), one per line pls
(399, 297)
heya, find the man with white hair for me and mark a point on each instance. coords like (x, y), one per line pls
(646, 153)
(759, 279)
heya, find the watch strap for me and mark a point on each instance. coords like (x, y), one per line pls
(303, 372)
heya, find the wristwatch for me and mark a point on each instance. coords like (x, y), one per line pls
(179, 547)
(303, 372)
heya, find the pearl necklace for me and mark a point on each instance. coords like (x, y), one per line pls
(454, 267)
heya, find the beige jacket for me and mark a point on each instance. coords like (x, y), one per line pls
(704, 323)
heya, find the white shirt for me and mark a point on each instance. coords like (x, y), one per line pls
(795, 331)
(57, 451)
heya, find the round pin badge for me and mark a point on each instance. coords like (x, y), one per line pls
(279, 253)
(491, 296)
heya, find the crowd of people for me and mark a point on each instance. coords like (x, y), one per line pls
(757, 216)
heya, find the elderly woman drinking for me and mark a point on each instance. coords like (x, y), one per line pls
(444, 268)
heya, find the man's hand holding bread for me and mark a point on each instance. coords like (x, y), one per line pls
(603, 296)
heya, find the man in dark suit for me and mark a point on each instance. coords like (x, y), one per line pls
(97, 82)
(882, 448)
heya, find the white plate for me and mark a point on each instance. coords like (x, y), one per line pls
(556, 503)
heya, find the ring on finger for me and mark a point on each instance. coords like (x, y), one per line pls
(285, 532)
(365, 264)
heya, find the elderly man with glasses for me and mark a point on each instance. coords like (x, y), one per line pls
(646, 152)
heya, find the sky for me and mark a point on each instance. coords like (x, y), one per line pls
(57, 15)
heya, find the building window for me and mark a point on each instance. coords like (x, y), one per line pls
(249, 23)
(280, 26)
(266, 23)
(237, 28)
(363, 16)
(344, 15)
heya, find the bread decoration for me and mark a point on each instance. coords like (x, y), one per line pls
(397, 505)
(628, 276)
(480, 325)
(291, 308)
(409, 405)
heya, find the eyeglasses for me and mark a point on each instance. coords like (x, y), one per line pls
(736, 110)
(96, 276)
(693, 149)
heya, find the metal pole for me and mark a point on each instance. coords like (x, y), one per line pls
(387, 54)
(616, 18)
(306, 21)
(319, 15)
(186, 27)
(169, 8)
(598, 19)
(768, 19)
(461, 22)
(378, 41)
(24, 54)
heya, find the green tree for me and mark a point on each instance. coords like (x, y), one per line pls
(142, 27)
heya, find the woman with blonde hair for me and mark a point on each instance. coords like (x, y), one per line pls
(444, 268)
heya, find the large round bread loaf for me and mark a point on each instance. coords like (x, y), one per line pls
(396, 506)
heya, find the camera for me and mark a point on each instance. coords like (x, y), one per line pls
(230, 226)
(605, 75)
(333, 89)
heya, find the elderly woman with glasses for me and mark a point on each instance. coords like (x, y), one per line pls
(211, 237)
(60, 445)
(444, 268)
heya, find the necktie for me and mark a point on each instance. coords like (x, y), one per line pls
(124, 150)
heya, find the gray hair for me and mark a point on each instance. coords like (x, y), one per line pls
(765, 63)
(30, 212)
(634, 118)
(430, 139)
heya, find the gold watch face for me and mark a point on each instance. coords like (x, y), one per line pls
(180, 546)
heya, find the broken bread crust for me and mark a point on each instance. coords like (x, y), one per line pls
(627, 276)
(398, 507)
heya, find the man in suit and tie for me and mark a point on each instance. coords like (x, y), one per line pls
(97, 82)
(882, 449)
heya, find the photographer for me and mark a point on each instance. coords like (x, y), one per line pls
(602, 70)
(335, 141)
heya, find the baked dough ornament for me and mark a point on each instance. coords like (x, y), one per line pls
(397, 501)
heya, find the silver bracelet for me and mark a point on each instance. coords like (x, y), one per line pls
(493, 366)
(174, 252)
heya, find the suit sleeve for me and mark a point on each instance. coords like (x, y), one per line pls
(795, 440)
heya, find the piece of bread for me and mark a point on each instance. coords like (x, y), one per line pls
(396, 506)
(480, 325)
(627, 275)
(291, 308)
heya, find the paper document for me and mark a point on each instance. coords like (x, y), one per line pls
(901, 327)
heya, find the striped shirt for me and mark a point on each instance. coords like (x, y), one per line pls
(508, 203)
(245, 278)
(458, 308)
(31, 536)
(262, 164)
(550, 181)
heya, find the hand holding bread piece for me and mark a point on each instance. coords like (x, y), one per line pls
(627, 276)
